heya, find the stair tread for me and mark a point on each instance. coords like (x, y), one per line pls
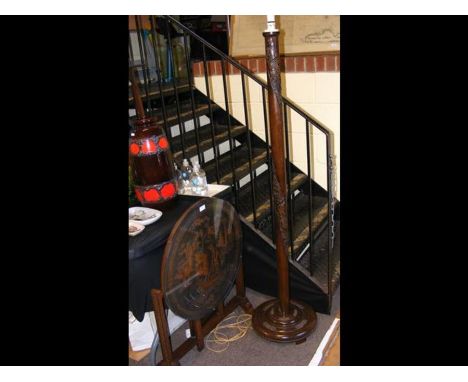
(241, 164)
(186, 114)
(153, 89)
(205, 139)
(262, 195)
(301, 219)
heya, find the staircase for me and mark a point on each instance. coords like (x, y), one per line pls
(232, 154)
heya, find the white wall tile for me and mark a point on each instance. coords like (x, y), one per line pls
(299, 87)
(327, 88)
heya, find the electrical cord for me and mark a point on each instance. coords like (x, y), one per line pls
(227, 332)
(220, 337)
(154, 349)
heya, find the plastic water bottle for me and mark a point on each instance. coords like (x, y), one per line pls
(198, 180)
(186, 171)
(180, 181)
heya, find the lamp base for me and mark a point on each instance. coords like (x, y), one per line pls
(270, 323)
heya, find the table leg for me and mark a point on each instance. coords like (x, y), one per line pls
(199, 334)
(240, 289)
(163, 328)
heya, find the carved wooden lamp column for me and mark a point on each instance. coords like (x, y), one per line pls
(281, 319)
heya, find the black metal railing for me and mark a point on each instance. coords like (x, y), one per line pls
(170, 29)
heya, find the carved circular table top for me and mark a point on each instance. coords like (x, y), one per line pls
(201, 258)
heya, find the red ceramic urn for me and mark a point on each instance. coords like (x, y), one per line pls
(151, 160)
(152, 164)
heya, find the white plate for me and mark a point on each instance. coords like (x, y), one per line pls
(143, 215)
(134, 228)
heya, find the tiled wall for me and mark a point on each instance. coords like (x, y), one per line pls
(312, 82)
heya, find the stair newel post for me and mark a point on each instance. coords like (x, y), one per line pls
(281, 319)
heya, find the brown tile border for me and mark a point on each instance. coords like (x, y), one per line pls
(290, 64)
(320, 64)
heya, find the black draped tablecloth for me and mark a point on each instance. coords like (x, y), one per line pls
(145, 253)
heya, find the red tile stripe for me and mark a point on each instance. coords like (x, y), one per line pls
(290, 64)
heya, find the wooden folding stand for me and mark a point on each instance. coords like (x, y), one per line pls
(198, 328)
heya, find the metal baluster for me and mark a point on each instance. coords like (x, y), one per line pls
(270, 167)
(143, 62)
(176, 92)
(212, 122)
(288, 181)
(330, 201)
(196, 121)
(309, 180)
(249, 146)
(159, 81)
(231, 145)
(148, 76)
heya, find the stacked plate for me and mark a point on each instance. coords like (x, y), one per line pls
(134, 228)
(139, 217)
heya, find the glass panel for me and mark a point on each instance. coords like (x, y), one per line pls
(201, 258)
